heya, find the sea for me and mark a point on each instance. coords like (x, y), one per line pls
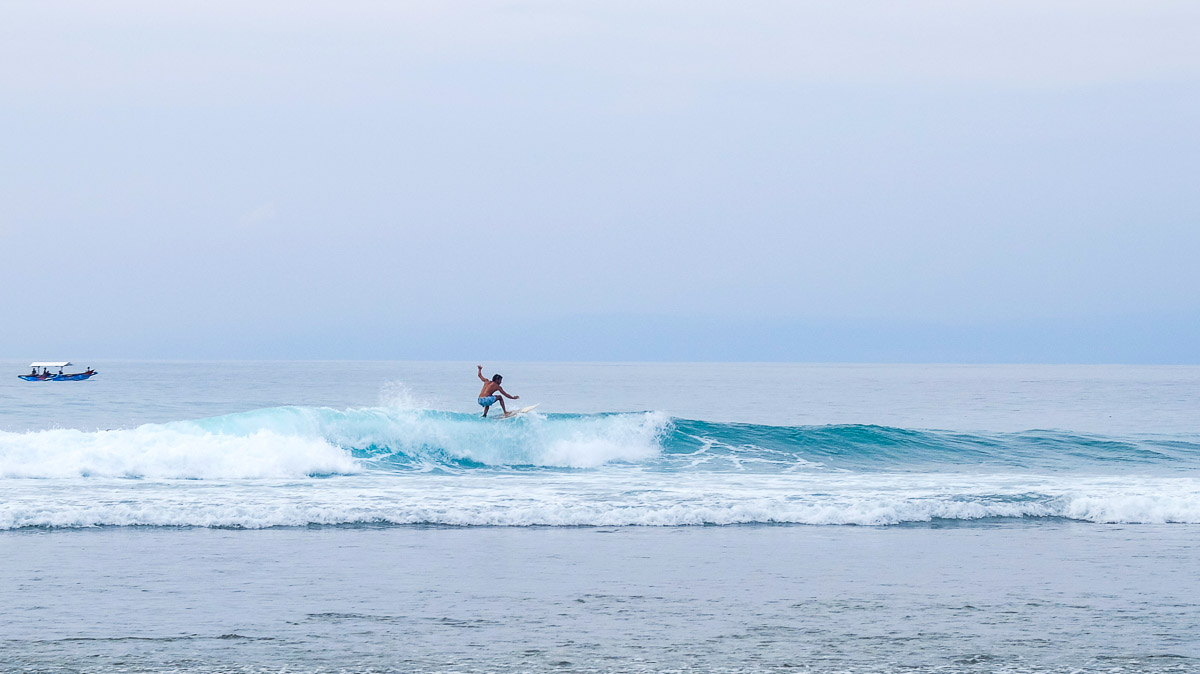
(334, 516)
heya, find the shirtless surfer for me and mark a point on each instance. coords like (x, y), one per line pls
(487, 395)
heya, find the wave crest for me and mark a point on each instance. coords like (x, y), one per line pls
(306, 441)
(165, 452)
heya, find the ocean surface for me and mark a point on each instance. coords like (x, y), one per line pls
(355, 516)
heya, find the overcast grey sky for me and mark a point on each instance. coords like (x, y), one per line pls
(898, 181)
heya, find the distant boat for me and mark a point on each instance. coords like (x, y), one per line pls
(47, 375)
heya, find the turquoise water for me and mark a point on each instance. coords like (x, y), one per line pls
(289, 444)
(327, 517)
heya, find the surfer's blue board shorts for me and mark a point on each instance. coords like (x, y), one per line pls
(487, 400)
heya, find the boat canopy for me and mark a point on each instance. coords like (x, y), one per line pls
(58, 363)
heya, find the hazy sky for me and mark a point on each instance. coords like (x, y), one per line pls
(898, 181)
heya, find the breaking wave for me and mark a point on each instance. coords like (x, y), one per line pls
(310, 441)
(295, 466)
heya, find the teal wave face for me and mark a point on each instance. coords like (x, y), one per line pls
(389, 439)
(865, 447)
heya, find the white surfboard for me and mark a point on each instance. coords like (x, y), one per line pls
(519, 412)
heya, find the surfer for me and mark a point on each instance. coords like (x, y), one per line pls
(487, 395)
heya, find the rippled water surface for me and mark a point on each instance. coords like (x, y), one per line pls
(361, 516)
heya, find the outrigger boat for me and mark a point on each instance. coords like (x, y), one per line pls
(47, 375)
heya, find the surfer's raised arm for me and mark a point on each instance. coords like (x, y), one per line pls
(479, 373)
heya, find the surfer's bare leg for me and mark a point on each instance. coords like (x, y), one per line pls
(485, 411)
(500, 399)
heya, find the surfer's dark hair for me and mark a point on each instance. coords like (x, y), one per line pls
(496, 377)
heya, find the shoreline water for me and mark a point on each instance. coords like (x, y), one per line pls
(996, 597)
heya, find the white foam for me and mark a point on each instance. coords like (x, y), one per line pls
(615, 498)
(163, 452)
(597, 441)
(1135, 508)
(530, 440)
(302, 441)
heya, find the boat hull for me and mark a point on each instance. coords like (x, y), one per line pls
(74, 377)
(59, 377)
